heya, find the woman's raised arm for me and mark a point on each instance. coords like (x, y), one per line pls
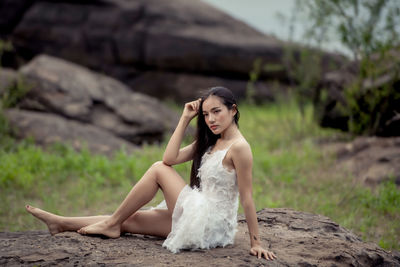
(173, 153)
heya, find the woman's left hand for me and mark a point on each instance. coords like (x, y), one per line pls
(258, 251)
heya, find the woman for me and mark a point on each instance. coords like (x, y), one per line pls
(203, 215)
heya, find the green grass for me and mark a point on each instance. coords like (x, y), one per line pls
(290, 170)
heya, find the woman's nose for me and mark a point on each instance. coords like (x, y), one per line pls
(211, 118)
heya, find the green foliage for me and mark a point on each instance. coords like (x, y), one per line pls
(364, 27)
(9, 98)
(367, 106)
(305, 73)
(386, 200)
(13, 94)
(253, 77)
(303, 69)
(370, 30)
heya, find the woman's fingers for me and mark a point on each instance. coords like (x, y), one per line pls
(192, 108)
(196, 104)
(260, 252)
(269, 255)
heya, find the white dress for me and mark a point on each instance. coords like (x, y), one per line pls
(206, 217)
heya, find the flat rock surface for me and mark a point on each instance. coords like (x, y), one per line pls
(297, 238)
(371, 160)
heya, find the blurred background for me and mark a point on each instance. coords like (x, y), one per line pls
(277, 18)
(92, 90)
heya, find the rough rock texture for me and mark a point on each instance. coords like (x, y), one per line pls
(384, 89)
(128, 39)
(370, 159)
(76, 93)
(47, 129)
(297, 238)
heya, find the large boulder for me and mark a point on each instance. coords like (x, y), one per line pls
(186, 87)
(76, 93)
(47, 129)
(297, 239)
(129, 39)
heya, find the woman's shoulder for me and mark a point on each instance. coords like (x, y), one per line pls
(241, 146)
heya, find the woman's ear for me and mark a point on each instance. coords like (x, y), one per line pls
(234, 108)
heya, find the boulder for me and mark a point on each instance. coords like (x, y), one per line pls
(371, 160)
(126, 39)
(76, 93)
(297, 239)
(186, 87)
(47, 129)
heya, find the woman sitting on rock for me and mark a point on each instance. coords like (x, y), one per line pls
(202, 215)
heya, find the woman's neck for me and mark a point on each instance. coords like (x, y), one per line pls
(230, 133)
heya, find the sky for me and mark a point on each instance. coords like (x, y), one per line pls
(266, 16)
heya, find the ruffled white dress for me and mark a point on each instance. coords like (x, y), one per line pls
(206, 217)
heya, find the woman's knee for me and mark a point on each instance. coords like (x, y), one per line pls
(159, 165)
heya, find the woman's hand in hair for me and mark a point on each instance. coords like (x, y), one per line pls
(191, 109)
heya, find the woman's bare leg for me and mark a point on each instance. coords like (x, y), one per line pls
(158, 176)
(58, 224)
(155, 222)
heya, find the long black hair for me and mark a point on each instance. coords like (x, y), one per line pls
(204, 137)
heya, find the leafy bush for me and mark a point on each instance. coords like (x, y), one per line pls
(369, 30)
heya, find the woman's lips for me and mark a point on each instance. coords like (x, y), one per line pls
(213, 127)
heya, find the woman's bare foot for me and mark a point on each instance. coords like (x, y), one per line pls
(102, 228)
(51, 220)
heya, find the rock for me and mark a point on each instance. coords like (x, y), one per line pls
(186, 87)
(297, 238)
(47, 129)
(384, 89)
(371, 160)
(126, 39)
(74, 92)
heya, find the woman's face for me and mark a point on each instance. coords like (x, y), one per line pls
(216, 115)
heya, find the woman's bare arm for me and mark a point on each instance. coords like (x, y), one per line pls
(243, 162)
(173, 153)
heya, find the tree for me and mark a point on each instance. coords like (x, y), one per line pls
(365, 27)
(370, 29)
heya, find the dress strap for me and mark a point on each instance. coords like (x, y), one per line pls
(231, 145)
(225, 149)
(228, 147)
